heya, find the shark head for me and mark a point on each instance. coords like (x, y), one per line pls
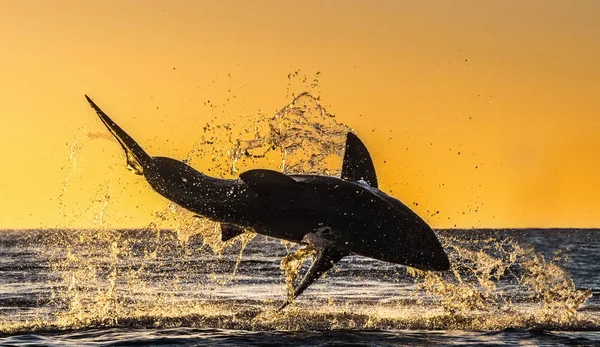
(403, 237)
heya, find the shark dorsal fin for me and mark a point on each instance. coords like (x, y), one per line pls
(357, 162)
(229, 231)
(266, 182)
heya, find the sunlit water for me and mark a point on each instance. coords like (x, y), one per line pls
(152, 287)
(181, 285)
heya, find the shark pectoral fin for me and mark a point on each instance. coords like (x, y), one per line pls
(326, 258)
(266, 182)
(358, 164)
(229, 231)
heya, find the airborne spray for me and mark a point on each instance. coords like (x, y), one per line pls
(177, 272)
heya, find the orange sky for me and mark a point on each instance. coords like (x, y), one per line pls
(511, 85)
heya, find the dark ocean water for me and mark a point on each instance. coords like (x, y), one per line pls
(149, 287)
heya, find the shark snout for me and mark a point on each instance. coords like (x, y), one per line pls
(441, 265)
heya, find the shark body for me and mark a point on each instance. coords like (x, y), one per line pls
(335, 216)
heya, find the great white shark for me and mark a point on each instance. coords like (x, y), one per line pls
(334, 216)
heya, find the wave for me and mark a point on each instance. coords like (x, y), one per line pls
(309, 317)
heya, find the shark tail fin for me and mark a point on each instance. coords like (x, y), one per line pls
(137, 158)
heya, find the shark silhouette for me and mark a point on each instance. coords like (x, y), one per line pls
(334, 216)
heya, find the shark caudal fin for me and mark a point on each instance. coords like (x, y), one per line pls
(137, 158)
(358, 164)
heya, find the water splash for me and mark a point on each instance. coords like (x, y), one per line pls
(290, 265)
(301, 138)
(104, 273)
(475, 293)
(108, 277)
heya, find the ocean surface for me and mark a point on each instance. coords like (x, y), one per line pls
(525, 287)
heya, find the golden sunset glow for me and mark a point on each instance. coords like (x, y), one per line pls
(487, 112)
